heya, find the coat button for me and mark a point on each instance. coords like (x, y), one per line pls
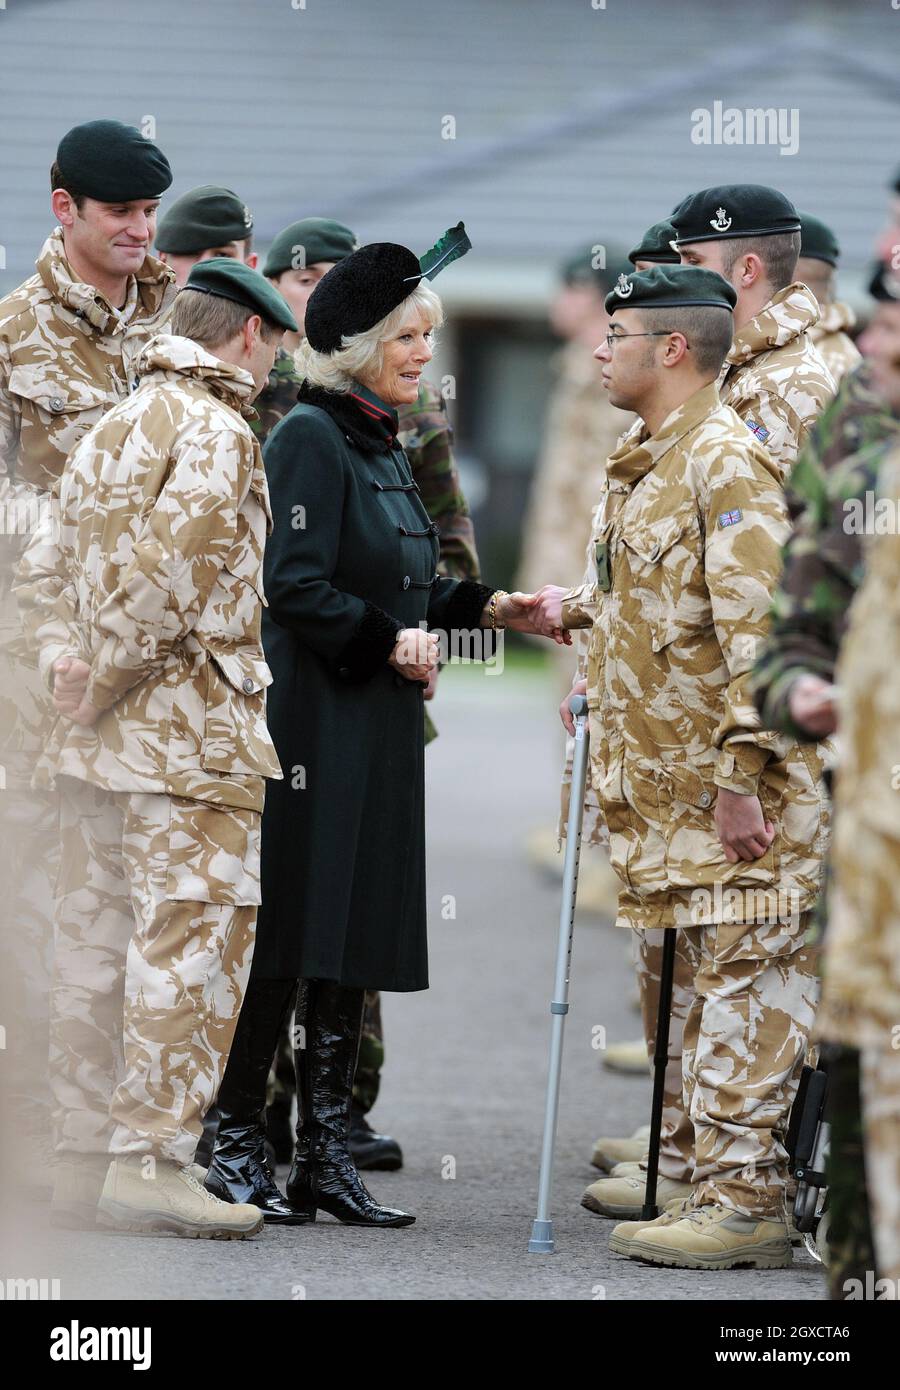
(247, 686)
(406, 583)
(705, 799)
(655, 552)
(56, 403)
(343, 671)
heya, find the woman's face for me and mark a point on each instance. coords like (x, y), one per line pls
(403, 358)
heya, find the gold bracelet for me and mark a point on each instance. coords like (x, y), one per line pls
(496, 596)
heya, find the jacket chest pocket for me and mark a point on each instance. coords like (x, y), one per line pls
(64, 409)
(235, 736)
(667, 579)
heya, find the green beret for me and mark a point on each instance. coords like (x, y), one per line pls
(671, 287)
(362, 289)
(817, 241)
(112, 162)
(656, 246)
(583, 268)
(885, 284)
(205, 217)
(231, 279)
(307, 242)
(733, 210)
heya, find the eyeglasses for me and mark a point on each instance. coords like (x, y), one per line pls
(661, 333)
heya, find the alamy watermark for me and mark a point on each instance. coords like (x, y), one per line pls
(755, 125)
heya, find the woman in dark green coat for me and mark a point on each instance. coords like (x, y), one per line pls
(353, 602)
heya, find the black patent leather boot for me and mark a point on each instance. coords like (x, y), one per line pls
(239, 1170)
(323, 1176)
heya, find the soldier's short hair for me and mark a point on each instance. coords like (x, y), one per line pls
(709, 331)
(211, 320)
(58, 181)
(778, 253)
(363, 353)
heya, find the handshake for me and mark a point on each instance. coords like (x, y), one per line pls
(416, 652)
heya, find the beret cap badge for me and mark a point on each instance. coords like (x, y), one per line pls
(721, 221)
(623, 286)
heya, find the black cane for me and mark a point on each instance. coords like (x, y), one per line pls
(660, 1062)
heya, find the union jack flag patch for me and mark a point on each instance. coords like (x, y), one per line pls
(731, 518)
(760, 431)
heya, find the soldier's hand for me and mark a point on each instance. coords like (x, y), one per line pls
(70, 680)
(812, 703)
(86, 714)
(565, 714)
(743, 831)
(415, 654)
(539, 614)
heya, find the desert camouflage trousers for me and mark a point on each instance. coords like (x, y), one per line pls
(744, 1001)
(155, 915)
(880, 1088)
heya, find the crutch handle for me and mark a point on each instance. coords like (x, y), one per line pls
(578, 705)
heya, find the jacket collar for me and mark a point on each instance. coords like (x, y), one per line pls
(148, 289)
(637, 455)
(168, 357)
(835, 317)
(362, 416)
(789, 313)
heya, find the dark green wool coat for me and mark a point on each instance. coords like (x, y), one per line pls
(351, 560)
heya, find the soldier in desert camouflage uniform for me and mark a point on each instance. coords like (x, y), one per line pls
(824, 563)
(861, 990)
(716, 827)
(142, 599)
(819, 256)
(298, 258)
(69, 342)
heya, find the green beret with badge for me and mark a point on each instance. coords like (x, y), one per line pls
(733, 210)
(364, 288)
(595, 264)
(309, 242)
(202, 218)
(230, 279)
(671, 287)
(656, 246)
(817, 241)
(112, 162)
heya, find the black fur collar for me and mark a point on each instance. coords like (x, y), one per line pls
(370, 425)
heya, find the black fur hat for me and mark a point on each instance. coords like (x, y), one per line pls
(359, 292)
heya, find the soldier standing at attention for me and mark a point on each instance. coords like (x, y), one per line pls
(205, 222)
(70, 337)
(145, 613)
(655, 247)
(819, 256)
(716, 826)
(773, 375)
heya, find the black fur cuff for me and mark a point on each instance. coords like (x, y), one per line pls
(369, 647)
(465, 605)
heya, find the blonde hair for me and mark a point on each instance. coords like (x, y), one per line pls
(362, 354)
(211, 320)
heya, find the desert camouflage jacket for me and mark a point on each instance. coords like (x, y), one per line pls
(774, 377)
(690, 530)
(861, 991)
(151, 571)
(831, 338)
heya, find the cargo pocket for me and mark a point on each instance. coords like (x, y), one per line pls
(666, 566)
(213, 854)
(695, 857)
(235, 736)
(64, 407)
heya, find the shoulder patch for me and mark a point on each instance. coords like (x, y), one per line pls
(731, 518)
(760, 431)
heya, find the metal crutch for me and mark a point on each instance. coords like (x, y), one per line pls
(541, 1242)
(660, 1062)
